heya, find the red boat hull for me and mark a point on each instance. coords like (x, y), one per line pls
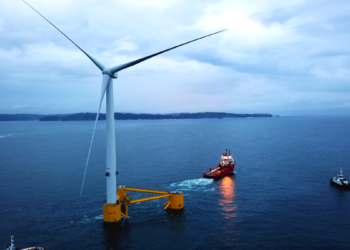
(219, 171)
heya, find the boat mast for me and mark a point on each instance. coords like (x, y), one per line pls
(12, 247)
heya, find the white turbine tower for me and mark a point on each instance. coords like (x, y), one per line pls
(108, 74)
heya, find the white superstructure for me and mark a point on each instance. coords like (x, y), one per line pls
(226, 158)
(339, 179)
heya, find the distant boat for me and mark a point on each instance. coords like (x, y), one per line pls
(12, 246)
(225, 167)
(340, 181)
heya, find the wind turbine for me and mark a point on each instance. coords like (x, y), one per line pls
(108, 74)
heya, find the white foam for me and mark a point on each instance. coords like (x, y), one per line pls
(87, 220)
(195, 184)
(98, 217)
(4, 136)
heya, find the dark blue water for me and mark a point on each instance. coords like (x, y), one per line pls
(279, 198)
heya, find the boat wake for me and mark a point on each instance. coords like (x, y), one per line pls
(193, 185)
(4, 136)
(88, 220)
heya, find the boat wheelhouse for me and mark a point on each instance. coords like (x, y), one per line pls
(340, 181)
(225, 167)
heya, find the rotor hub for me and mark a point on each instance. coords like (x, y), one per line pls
(108, 72)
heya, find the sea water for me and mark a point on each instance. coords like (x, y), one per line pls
(279, 197)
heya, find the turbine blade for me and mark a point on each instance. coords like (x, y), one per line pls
(97, 63)
(132, 63)
(105, 81)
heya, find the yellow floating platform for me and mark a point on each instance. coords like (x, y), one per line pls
(113, 212)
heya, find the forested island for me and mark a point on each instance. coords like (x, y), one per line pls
(20, 117)
(126, 116)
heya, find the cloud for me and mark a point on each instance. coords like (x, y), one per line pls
(19, 106)
(276, 56)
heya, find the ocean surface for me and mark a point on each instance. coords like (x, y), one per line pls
(279, 197)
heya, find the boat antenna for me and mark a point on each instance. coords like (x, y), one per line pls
(12, 247)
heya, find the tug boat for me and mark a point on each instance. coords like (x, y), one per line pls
(225, 167)
(12, 246)
(340, 181)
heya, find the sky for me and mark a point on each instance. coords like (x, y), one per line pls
(277, 57)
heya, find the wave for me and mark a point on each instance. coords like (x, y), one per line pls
(88, 220)
(4, 136)
(194, 185)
